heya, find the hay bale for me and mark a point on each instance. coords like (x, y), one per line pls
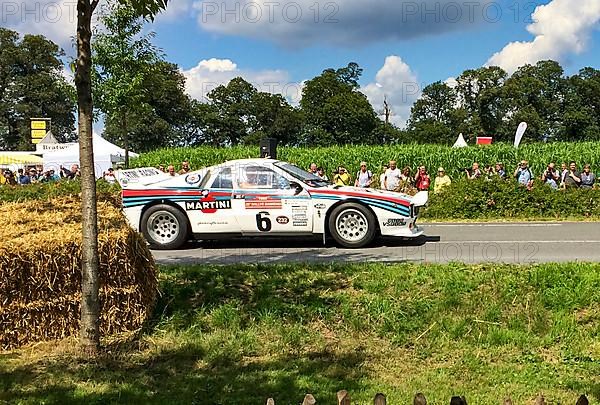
(40, 272)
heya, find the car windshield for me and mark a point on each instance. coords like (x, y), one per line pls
(305, 177)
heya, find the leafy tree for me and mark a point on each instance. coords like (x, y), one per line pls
(238, 113)
(536, 92)
(479, 94)
(332, 103)
(123, 60)
(581, 116)
(432, 115)
(273, 117)
(32, 85)
(166, 116)
(233, 105)
(90, 308)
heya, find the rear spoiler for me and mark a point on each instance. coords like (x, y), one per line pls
(139, 177)
(420, 199)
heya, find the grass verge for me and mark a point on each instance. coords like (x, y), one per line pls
(239, 334)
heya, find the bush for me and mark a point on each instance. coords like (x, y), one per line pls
(44, 191)
(498, 199)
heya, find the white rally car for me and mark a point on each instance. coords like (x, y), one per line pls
(259, 197)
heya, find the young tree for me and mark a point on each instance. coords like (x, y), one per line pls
(90, 308)
(141, 95)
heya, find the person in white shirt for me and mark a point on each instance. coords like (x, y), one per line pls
(364, 176)
(392, 177)
(382, 177)
(109, 175)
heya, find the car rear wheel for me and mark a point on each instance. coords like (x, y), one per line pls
(165, 227)
(352, 225)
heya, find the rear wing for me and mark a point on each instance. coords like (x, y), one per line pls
(135, 178)
(420, 199)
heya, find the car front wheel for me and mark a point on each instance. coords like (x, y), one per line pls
(352, 225)
(165, 227)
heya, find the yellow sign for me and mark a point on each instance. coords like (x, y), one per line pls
(36, 141)
(39, 124)
(38, 133)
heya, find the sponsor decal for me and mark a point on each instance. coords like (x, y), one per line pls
(395, 222)
(262, 203)
(299, 208)
(320, 206)
(213, 223)
(283, 220)
(208, 206)
(192, 179)
(300, 222)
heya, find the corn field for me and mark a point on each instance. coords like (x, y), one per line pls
(412, 155)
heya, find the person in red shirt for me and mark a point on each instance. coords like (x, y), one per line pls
(422, 179)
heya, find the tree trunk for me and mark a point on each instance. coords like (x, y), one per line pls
(90, 284)
(125, 138)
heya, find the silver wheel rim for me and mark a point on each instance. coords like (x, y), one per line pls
(163, 227)
(352, 225)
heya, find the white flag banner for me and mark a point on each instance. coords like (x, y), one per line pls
(519, 135)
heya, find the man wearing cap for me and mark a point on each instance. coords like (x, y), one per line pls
(442, 180)
(364, 177)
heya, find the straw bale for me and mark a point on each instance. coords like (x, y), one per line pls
(40, 273)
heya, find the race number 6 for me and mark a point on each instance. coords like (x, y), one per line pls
(263, 223)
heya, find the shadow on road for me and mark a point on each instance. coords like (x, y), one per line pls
(288, 250)
(300, 243)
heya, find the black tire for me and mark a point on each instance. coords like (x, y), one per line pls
(352, 225)
(165, 227)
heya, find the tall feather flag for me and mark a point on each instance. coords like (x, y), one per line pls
(519, 135)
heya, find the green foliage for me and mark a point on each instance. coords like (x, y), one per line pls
(239, 113)
(32, 86)
(432, 156)
(507, 200)
(142, 96)
(241, 334)
(63, 188)
(486, 101)
(332, 103)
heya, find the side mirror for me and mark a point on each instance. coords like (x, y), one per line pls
(296, 187)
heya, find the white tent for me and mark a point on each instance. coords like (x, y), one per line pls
(460, 142)
(105, 156)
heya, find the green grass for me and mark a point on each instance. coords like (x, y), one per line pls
(240, 334)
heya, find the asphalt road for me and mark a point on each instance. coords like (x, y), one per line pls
(467, 243)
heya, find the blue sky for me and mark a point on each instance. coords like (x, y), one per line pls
(278, 44)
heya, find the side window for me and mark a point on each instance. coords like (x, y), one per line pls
(223, 179)
(259, 177)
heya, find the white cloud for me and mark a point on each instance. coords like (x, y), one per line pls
(560, 27)
(218, 65)
(176, 9)
(55, 19)
(211, 73)
(451, 82)
(398, 83)
(347, 22)
(395, 81)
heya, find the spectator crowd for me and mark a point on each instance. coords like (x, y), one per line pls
(37, 174)
(389, 177)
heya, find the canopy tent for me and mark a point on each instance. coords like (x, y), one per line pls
(460, 142)
(17, 160)
(105, 156)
